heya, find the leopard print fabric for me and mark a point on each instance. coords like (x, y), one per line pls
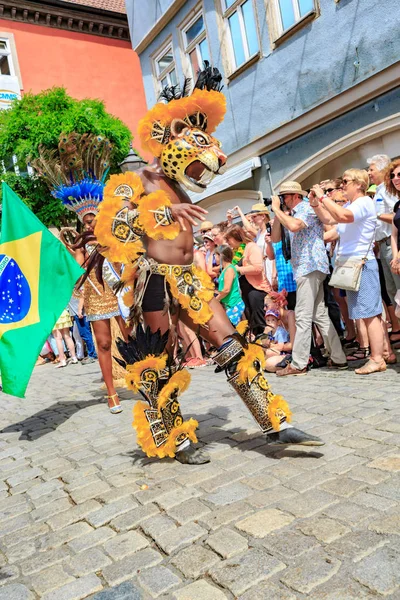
(193, 145)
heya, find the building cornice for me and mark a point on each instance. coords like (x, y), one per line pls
(71, 17)
(359, 94)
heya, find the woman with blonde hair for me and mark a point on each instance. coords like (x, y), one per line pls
(356, 224)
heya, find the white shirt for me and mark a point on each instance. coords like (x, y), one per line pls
(356, 237)
(268, 263)
(384, 203)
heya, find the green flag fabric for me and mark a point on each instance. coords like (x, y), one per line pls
(37, 276)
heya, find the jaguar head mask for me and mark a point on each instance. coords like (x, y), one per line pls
(179, 132)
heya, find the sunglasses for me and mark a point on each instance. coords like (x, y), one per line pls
(339, 201)
(329, 190)
(346, 181)
(394, 175)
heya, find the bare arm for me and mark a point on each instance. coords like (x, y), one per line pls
(276, 232)
(386, 217)
(331, 235)
(246, 223)
(395, 262)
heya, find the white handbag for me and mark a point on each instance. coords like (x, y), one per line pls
(347, 272)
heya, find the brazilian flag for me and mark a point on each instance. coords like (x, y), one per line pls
(37, 276)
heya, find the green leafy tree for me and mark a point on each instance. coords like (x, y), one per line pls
(39, 119)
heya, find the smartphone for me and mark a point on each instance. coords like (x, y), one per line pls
(268, 227)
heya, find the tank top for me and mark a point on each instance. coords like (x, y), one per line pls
(234, 296)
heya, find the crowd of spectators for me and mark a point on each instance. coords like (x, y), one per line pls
(272, 267)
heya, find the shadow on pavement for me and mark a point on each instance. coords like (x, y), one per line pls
(48, 419)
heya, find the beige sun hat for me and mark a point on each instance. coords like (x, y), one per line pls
(259, 208)
(206, 225)
(291, 187)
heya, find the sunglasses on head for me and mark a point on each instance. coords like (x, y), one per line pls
(394, 175)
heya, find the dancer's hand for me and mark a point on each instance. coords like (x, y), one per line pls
(188, 212)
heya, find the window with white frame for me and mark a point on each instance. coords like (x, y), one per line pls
(242, 29)
(196, 44)
(6, 63)
(289, 12)
(164, 65)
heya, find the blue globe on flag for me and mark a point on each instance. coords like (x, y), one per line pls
(15, 294)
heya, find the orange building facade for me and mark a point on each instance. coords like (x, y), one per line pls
(83, 48)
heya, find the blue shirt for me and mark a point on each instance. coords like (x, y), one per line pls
(284, 270)
(307, 245)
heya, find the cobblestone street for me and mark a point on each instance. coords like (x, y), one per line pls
(84, 514)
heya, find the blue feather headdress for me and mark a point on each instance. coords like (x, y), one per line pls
(76, 171)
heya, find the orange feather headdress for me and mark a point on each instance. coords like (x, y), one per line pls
(206, 100)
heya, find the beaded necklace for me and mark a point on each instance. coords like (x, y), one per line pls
(237, 257)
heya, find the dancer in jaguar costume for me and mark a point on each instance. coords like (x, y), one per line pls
(146, 222)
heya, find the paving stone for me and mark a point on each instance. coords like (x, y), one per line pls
(343, 486)
(134, 517)
(309, 571)
(49, 579)
(324, 529)
(155, 491)
(196, 476)
(370, 476)
(386, 463)
(390, 523)
(182, 536)
(15, 591)
(43, 560)
(12, 506)
(14, 525)
(24, 535)
(158, 580)
(225, 478)
(308, 481)
(344, 464)
(8, 573)
(62, 536)
(200, 590)
(24, 476)
(261, 481)
(125, 544)
(170, 499)
(194, 561)
(94, 537)
(242, 572)
(349, 512)
(373, 501)
(263, 522)
(380, 571)
(227, 542)
(89, 491)
(225, 515)
(289, 544)
(309, 503)
(158, 526)
(268, 497)
(357, 545)
(229, 494)
(45, 512)
(190, 510)
(389, 489)
(267, 591)
(76, 590)
(110, 511)
(124, 591)
(88, 561)
(128, 567)
(74, 514)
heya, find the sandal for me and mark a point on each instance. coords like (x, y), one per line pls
(116, 407)
(350, 344)
(393, 333)
(359, 354)
(61, 364)
(371, 367)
